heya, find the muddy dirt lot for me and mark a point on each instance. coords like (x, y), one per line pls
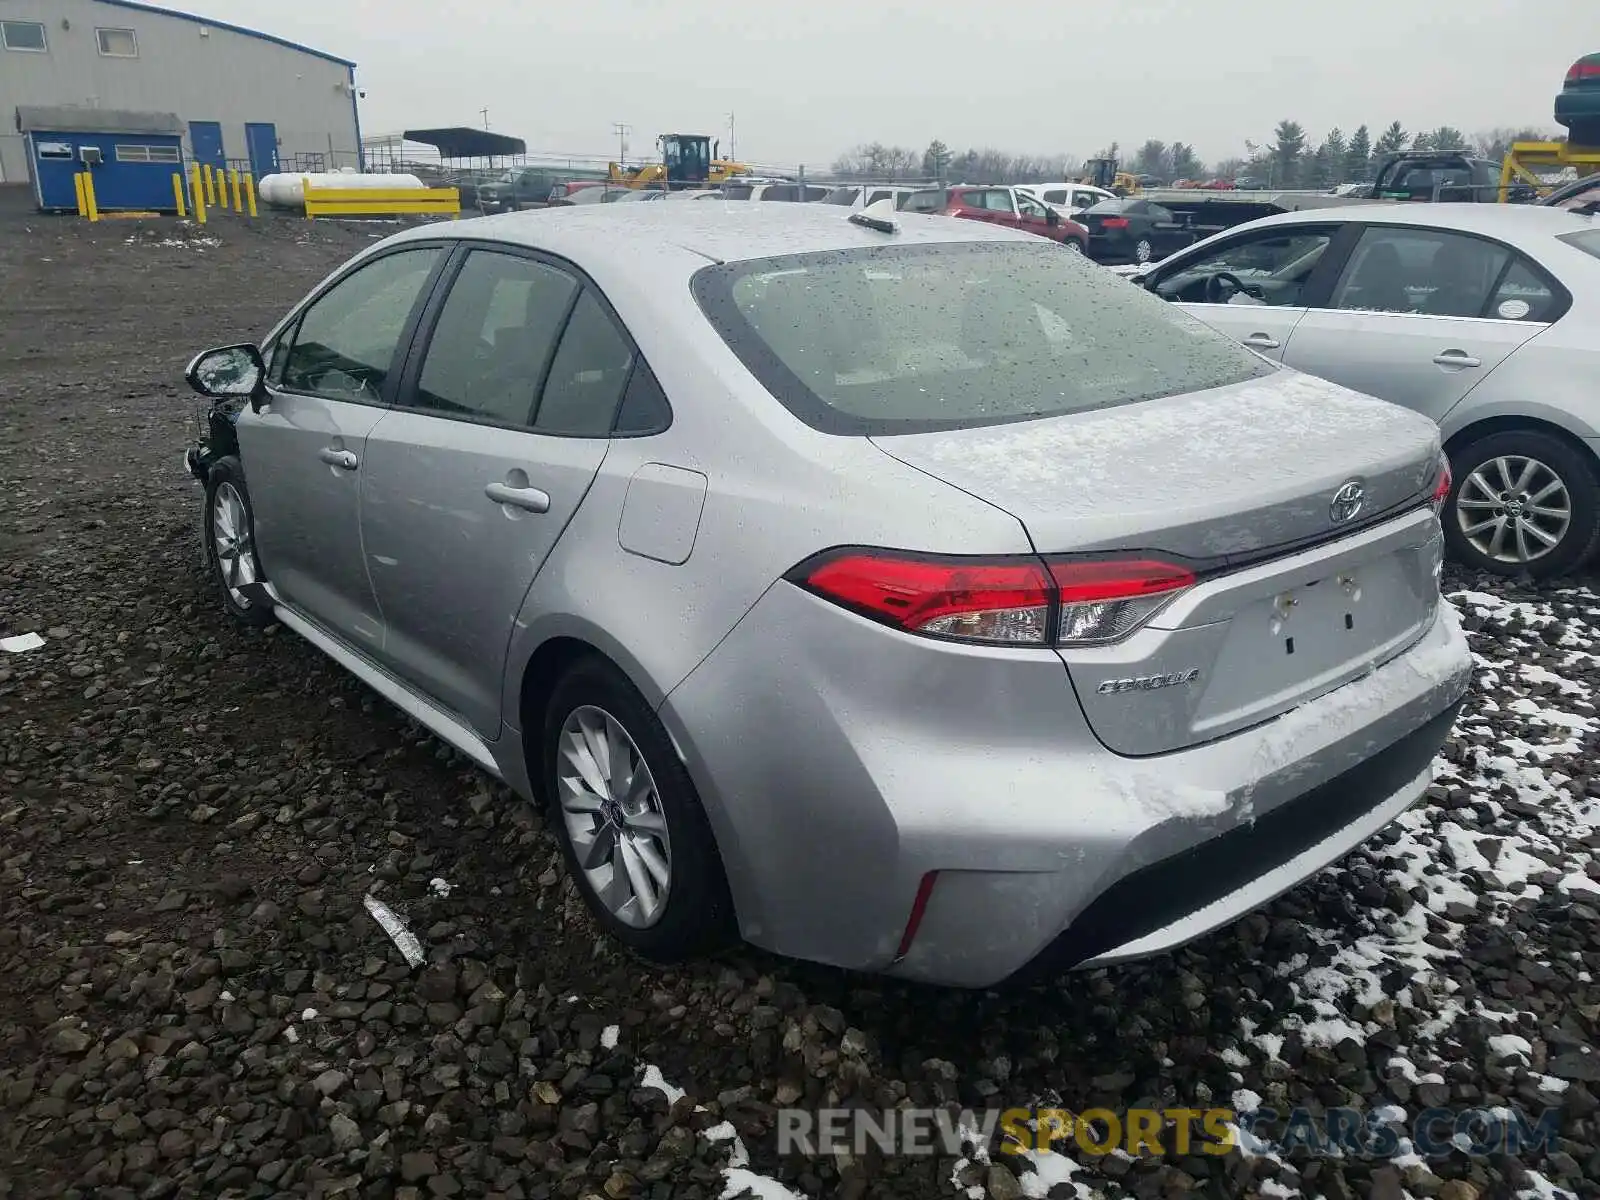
(193, 1000)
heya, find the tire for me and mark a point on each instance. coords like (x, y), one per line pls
(694, 914)
(1143, 251)
(231, 558)
(1075, 246)
(1475, 499)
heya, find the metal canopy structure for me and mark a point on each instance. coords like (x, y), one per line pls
(465, 142)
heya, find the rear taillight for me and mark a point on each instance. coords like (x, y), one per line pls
(1004, 601)
(971, 601)
(1441, 487)
(1114, 223)
(1106, 601)
(1584, 68)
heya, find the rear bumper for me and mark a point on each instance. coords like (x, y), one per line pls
(840, 763)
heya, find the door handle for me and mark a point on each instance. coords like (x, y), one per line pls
(1261, 341)
(339, 458)
(1456, 358)
(529, 499)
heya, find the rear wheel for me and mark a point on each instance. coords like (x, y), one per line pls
(634, 835)
(1143, 251)
(1523, 501)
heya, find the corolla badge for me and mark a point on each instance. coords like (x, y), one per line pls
(1149, 683)
(1347, 502)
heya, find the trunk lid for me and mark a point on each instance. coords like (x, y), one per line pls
(1240, 481)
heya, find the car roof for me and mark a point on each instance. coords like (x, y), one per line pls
(729, 232)
(1494, 220)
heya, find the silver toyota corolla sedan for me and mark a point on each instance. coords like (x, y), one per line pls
(899, 593)
(1485, 317)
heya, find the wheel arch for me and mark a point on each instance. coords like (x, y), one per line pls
(1488, 426)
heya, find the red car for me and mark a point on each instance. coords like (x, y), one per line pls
(1000, 206)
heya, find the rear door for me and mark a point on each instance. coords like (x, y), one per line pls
(1034, 217)
(1420, 316)
(503, 419)
(1255, 286)
(332, 373)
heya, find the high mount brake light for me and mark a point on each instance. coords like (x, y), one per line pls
(1020, 601)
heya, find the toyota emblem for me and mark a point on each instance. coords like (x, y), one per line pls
(1347, 502)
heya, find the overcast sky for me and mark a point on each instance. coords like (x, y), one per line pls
(807, 79)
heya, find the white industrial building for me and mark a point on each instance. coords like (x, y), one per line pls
(242, 99)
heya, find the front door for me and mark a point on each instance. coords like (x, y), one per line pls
(261, 144)
(303, 454)
(1421, 316)
(205, 140)
(502, 423)
(1253, 287)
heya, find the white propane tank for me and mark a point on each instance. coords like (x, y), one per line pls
(286, 190)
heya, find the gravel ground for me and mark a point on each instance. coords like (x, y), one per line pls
(194, 1001)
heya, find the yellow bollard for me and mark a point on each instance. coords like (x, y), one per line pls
(233, 188)
(88, 192)
(83, 197)
(211, 187)
(177, 194)
(250, 193)
(198, 196)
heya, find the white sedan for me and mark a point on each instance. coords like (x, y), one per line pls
(1484, 317)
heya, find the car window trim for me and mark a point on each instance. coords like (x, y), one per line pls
(293, 324)
(428, 321)
(1557, 289)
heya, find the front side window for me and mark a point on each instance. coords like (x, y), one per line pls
(118, 43)
(348, 336)
(1029, 207)
(1398, 269)
(26, 36)
(1273, 268)
(588, 374)
(493, 338)
(882, 340)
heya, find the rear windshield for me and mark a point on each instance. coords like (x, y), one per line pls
(908, 339)
(1587, 240)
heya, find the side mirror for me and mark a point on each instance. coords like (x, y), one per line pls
(228, 373)
(1052, 217)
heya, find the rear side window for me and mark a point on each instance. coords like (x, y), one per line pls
(914, 338)
(842, 195)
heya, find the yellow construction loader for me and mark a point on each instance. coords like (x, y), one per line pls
(688, 160)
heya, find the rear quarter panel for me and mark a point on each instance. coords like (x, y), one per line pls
(1552, 377)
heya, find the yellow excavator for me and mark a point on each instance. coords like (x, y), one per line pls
(688, 160)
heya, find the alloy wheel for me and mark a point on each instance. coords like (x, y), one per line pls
(230, 533)
(1514, 509)
(614, 817)
(1143, 250)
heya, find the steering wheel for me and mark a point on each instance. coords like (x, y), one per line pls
(1214, 292)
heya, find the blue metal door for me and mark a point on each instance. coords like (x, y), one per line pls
(261, 143)
(205, 137)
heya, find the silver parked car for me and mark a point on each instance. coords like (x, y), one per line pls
(1484, 317)
(894, 592)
